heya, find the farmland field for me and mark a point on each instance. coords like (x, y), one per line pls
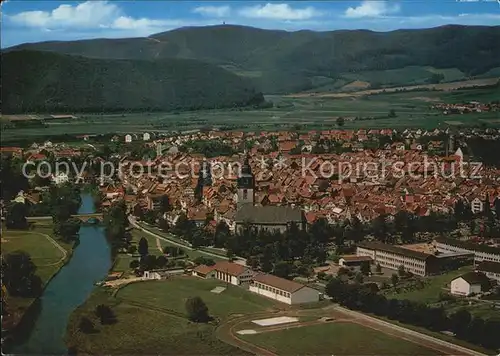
(339, 338)
(304, 112)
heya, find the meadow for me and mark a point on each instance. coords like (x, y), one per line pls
(412, 109)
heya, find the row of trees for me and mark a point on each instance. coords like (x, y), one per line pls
(366, 299)
(115, 224)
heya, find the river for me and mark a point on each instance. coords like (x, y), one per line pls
(73, 284)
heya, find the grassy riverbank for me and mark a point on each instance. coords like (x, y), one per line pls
(47, 253)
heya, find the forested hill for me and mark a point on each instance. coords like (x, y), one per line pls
(37, 81)
(280, 61)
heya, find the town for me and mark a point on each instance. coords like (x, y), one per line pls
(283, 215)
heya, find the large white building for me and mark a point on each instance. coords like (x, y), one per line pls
(392, 257)
(225, 271)
(481, 252)
(283, 290)
(469, 283)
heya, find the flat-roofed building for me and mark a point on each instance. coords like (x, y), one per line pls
(481, 252)
(392, 257)
(283, 290)
(490, 269)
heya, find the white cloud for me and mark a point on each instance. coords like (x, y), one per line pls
(87, 14)
(279, 12)
(215, 11)
(372, 9)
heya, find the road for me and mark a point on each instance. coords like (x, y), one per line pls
(173, 242)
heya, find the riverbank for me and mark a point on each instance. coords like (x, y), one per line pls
(48, 254)
(67, 289)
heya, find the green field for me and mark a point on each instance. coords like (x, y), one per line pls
(172, 294)
(335, 339)
(142, 331)
(47, 258)
(306, 113)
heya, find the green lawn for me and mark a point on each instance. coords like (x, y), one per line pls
(335, 339)
(140, 331)
(434, 286)
(47, 257)
(172, 294)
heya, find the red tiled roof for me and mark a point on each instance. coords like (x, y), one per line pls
(233, 269)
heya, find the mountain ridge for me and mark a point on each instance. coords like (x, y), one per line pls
(279, 61)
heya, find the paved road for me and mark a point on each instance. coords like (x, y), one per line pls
(429, 341)
(173, 242)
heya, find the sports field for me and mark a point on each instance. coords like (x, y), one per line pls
(47, 253)
(173, 293)
(338, 338)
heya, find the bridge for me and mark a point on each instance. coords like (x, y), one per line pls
(85, 218)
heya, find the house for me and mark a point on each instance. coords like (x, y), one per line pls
(225, 271)
(204, 271)
(354, 261)
(392, 257)
(283, 290)
(477, 205)
(146, 136)
(269, 217)
(128, 138)
(155, 274)
(490, 269)
(470, 283)
(61, 178)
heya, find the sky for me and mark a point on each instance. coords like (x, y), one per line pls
(38, 20)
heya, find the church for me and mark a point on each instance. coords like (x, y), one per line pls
(270, 218)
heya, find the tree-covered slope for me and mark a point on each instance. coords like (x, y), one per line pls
(36, 81)
(288, 61)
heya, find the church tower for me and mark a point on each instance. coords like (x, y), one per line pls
(246, 185)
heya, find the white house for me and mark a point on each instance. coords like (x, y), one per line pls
(155, 274)
(146, 136)
(61, 178)
(283, 290)
(490, 269)
(469, 283)
(225, 271)
(128, 138)
(477, 205)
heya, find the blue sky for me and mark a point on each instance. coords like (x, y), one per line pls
(33, 21)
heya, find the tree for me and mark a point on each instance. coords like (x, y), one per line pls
(365, 268)
(459, 322)
(132, 249)
(16, 216)
(105, 314)
(134, 264)
(143, 246)
(165, 204)
(340, 121)
(161, 261)
(19, 277)
(148, 262)
(283, 269)
(359, 278)
(401, 271)
(394, 279)
(85, 325)
(392, 113)
(197, 310)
